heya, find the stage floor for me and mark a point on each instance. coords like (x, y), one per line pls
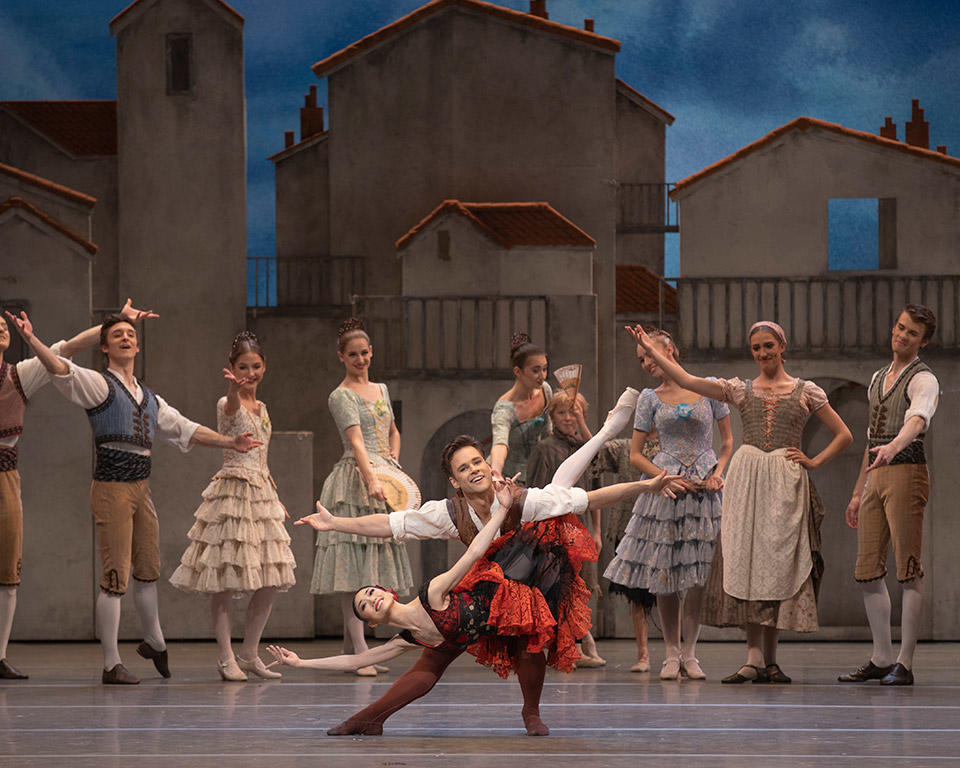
(62, 715)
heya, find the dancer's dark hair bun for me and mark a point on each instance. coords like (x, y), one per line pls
(518, 339)
(245, 341)
(521, 347)
(350, 329)
(350, 324)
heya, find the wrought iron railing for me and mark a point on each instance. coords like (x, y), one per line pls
(450, 336)
(821, 314)
(304, 282)
(646, 208)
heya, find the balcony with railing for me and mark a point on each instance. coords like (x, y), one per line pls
(464, 337)
(314, 284)
(646, 209)
(848, 314)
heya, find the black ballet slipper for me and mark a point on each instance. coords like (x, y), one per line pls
(736, 678)
(776, 675)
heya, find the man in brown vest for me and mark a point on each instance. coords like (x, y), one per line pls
(461, 518)
(891, 493)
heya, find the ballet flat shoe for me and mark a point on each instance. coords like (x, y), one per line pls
(159, 658)
(9, 672)
(643, 665)
(256, 666)
(670, 669)
(691, 668)
(118, 675)
(230, 672)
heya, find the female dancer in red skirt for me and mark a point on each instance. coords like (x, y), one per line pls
(520, 592)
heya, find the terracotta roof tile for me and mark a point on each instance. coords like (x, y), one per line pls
(19, 202)
(803, 124)
(38, 181)
(638, 290)
(365, 43)
(510, 224)
(81, 128)
(651, 106)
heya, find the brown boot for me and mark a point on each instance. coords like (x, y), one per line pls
(119, 676)
(8, 672)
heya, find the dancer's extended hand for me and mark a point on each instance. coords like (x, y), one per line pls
(134, 315)
(506, 490)
(852, 513)
(799, 457)
(244, 442)
(282, 656)
(320, 520)
(234, 382)
(640, 336)
(668, 485)
(23, 325)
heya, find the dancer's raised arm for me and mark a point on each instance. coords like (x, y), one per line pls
(44, 354)
(673, 369)
(346, 662)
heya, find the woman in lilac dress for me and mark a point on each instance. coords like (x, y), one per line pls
(668, 544)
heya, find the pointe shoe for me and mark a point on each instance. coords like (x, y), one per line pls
(626, 405)
(670, 669)
(230, 671)
(589, 662)
(381, 669)
(257, 667)
(369, 671)
(691, 668)
(642, 665)
(159, 658)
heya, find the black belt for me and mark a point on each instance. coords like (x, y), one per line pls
(115, 466)
(912, 454)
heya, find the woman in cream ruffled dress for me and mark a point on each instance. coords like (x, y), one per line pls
(239, 544)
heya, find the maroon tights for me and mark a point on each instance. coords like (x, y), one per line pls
(424, 674)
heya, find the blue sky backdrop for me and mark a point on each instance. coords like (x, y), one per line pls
(729, 70)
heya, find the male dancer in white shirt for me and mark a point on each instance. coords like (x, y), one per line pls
(891, 494)
(461, 517)
(18, 383)
(125, 415)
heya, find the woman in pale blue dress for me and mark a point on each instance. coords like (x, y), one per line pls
(668, 545)
(519, 417)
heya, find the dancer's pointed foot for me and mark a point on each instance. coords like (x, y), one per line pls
(118, 675)
(626, 405)
(350, 727)
(534, 725)
(159, 658)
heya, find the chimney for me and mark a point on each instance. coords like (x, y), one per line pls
(889, 128)
(942, 149)
(917, 131)
(588, 25)
(311, 116)
(539, 8)
(287, 139)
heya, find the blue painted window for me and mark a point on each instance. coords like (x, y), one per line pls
(863, 233)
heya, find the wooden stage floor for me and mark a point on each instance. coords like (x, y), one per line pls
(62, 715)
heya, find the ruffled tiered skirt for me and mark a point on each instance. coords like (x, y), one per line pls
(549, 608)
(344, 561)
(238, 542)
(668, 544)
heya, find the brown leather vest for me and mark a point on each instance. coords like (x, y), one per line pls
(13, 403)
(459, 512)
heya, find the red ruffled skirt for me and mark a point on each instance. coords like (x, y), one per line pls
(520, 615)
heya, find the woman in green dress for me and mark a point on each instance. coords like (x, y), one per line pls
(345, 562)
(519, 418)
